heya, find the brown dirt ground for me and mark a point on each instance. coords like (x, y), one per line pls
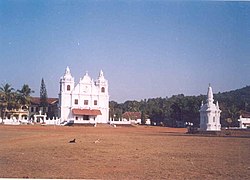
(121, 153)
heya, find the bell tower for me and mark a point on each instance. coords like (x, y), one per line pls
(66, 86)
(102, 87)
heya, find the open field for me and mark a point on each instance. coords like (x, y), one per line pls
(105, 152)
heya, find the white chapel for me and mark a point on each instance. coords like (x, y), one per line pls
(85, 102)
(210, 114)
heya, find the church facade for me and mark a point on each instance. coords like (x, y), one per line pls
(210, 114)
(85, 102)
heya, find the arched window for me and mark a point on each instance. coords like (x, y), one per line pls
(103, 90)
(68, 87)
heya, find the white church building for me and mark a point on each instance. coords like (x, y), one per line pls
(85, 102)
(210, 113)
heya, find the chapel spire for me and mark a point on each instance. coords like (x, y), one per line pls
(210, 96)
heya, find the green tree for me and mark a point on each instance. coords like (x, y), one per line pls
(229, 122)
(234, 113)
(132, 106)
(43, 96)
(24, 95)
(112, 109)
(7, 99)
(143, 111)
(143, 117)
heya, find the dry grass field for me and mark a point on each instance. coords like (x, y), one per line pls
(106, 152)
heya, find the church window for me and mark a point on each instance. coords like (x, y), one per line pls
(103, 90)
(32, 109)
(214, 119)
(68, 87)
(95, 102)
(76, 101)
(76, 118)
(86, 102)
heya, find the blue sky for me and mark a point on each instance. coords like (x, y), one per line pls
(145, 48)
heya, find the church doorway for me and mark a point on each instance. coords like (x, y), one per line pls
(86, 117)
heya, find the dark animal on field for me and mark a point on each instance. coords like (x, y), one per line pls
(72, 141)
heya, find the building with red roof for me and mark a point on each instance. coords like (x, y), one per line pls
(51, 110)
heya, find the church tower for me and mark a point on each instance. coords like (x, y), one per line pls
(67, 84)
(210, 113)
(102, 86)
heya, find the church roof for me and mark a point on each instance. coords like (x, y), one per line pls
(90, 112)
(36, 100)
(132, 115)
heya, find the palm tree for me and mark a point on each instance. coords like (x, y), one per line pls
(1, 105)
(7, 98)
(24, 95)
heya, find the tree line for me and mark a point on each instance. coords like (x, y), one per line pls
(180, 108)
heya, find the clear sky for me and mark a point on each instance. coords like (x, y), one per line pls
(145, 48)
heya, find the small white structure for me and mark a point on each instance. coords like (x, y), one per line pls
(244, 120)
(148, 122)
(40, 118)
(85, 102)
(210, 114)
